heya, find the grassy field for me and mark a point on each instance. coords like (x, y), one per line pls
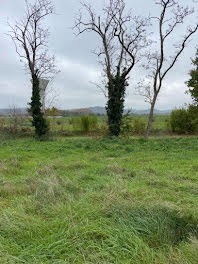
(99, 201)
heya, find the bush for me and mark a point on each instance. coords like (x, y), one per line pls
(93, 122)
(88, 123)
(139, 126)
(136, 127)
(76, 123)
(84, 123)
(184, 121)
(193, 113)
(126, 126)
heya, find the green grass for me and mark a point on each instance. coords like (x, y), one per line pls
(99, 201)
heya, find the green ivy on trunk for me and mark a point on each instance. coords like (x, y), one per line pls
(39, 122)
(115, 103)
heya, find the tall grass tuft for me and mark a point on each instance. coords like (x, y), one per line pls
(84, 123)
(75, 122)
(88, 123)
(139, 126)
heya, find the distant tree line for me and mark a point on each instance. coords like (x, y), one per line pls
(68, 113)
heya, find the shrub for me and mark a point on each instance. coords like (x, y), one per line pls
(88, 123)
(183, 120)
(93, 120)
(84, 123)
(126, 126)
(139, 126)
(76, 123)
(193, 115)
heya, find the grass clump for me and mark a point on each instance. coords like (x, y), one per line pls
(84, 123)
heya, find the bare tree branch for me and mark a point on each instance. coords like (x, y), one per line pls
(122, 35)
(31, 39)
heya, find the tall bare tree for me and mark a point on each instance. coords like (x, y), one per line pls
(31, 42)
(122, 36)
(160, 62)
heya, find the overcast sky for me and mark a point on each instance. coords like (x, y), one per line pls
(78, 65)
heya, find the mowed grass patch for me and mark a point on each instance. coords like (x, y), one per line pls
(84, 200)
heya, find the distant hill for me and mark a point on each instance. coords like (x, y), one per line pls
(76, 112)
(86, 111)
(156, 112)
(7, 111)
(97, 110)
(102, 111)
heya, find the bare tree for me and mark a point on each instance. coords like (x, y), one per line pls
(160, 63)
(16, 118)
(122, 36)
(31, 43)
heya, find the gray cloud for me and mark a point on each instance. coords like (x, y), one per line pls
(78, 65)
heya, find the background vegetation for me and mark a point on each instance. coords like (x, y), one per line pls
(60, 126)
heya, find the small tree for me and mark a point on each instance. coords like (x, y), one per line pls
(122, 38)
(193, 82)
(31, 42)
(160, 63)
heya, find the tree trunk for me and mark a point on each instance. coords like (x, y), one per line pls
(114, 113)
(40, 124)
(150, 121)
(115, 104)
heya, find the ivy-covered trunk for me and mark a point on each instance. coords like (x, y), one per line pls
(39, 122)
(115, 103)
